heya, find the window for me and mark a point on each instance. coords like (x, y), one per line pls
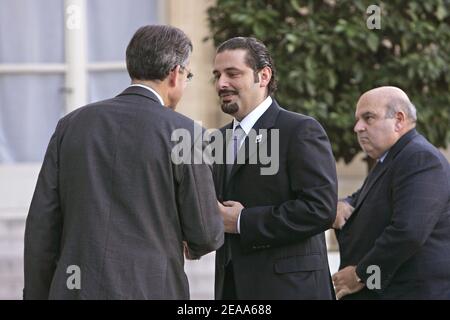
(49, 65)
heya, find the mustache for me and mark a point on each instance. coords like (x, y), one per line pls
(223, 91)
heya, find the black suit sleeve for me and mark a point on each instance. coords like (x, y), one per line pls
(312, 180)
(351, 200)
(198, 210)
(43, 227)
(418, 201)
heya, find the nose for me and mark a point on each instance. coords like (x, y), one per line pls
(221, 82)
(359, 126)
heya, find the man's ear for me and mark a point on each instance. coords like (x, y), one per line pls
(265, 74)
(173, 76)
(400, 121)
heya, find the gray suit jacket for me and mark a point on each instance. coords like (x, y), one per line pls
(110, 201)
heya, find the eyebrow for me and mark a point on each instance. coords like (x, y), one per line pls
(366, 114)
(227, 69)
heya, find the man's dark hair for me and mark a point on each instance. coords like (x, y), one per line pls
(257, 56)
(155, 50)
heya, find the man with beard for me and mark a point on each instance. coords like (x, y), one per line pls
(394, 232)
(275, 245)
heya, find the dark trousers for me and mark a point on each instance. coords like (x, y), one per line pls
(229, 288)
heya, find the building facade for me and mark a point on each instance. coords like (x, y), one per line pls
(58, 55)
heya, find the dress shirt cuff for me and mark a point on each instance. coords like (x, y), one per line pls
(238, 224)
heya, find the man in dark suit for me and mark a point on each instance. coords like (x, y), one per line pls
(274, 220)
(112, 212)
(394, 232)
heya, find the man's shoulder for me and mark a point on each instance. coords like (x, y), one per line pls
(420, 145)
(91, 107)
(419, 151)
(292, 116)
(294, 121)
(146, 109)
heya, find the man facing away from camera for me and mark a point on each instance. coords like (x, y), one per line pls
(110, 205)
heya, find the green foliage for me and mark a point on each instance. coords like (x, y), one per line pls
(326, 57)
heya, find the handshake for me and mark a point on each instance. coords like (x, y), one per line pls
(230, 212)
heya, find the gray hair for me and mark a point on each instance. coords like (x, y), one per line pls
(396, 105)
(155, 50)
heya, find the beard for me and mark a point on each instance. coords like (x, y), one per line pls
(230, 108)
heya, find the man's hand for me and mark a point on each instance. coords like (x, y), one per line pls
(230, 211)
(344, 211)
(346, 282)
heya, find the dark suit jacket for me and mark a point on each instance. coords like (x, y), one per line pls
(281, 251)
(110, 201)
(401, 223)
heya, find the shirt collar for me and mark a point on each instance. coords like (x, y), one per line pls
(150, 89)
(383, 157)
(249, 121)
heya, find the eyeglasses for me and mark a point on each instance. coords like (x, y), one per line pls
(190, 75)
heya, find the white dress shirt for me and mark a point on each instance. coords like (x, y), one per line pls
(383, 157)
(247, 124)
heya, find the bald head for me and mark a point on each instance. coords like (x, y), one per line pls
(383, 115)
(386, 93)
(393, 100)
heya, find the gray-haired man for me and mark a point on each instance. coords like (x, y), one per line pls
(110, 206)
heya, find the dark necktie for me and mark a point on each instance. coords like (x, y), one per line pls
(233, 148)
(232, 151)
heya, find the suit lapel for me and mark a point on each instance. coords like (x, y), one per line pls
(371, 179)
(381, 168)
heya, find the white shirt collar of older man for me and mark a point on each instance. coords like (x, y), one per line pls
(249, 121)
(383, 157)
(150, 89)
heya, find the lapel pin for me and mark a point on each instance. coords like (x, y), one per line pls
(258, 138)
